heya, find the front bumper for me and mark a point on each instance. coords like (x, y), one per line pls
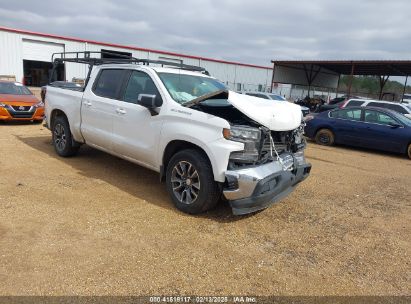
(252, 189)
(30, 114)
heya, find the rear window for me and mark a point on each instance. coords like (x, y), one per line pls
(109, 83)
(354, 103)
(13, 88)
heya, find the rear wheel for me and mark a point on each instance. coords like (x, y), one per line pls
(190, 182)
(62, 139)
(324, 137)
(409, 151)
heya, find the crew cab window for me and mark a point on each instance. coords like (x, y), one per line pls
(109, 83)
(354, 103)
(376, 104)
(139, 83)
(349, 114)
(378, 117)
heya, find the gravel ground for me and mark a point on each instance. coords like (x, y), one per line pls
(95, 224)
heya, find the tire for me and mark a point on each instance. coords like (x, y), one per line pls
(190, 182)
(409, 151)
(63, 142)
(324, 137)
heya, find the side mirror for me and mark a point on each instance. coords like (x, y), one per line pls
(151, 102)
(394, 125)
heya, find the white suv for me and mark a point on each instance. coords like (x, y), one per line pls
(402, 108)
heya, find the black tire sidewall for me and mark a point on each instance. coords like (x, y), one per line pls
(327, 132)
(204, 201)
(68, 149)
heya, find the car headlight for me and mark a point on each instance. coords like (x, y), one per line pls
(250, 137)
(3, 105)
(39, 105)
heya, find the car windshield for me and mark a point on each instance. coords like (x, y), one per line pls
(184, 88)
(277, 97)
(13, 88)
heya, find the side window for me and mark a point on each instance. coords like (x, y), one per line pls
(354, 103)
(139, 83)
(376, 104)
(109, 83)
(396, 108)
(378, 117)
(348, 114)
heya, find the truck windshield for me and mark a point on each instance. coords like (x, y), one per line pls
(184, 88)
(13, 89)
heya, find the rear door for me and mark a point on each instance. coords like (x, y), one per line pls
(98, 107)
(135, 131)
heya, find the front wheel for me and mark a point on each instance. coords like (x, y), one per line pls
(62, 139)
(324, 137)
(190, 182)
(409, 151)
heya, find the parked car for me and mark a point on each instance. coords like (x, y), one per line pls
(17, 102)
(406, 98)
(402, 108)
(204, 140)
(277, 97)
(367, 127)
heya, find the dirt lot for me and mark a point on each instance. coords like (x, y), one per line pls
(95, 224)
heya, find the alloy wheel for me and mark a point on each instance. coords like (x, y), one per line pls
(60, 137)
(185, 182)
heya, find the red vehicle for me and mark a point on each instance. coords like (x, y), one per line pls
(17, 102)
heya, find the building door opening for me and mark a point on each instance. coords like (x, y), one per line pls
(37, 73)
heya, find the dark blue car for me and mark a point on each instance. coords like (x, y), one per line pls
(373, 128)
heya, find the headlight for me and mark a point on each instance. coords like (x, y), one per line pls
(39, 105)
(250, 137)
(3, 105)
(242, 133)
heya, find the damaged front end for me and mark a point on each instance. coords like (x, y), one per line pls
(272, 161)
(268, 169)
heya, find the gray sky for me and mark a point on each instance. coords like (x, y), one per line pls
(246, 31)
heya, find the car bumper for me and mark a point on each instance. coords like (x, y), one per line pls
(252, 189)
(32, 114)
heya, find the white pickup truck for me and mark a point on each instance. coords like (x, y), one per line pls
(205, 141)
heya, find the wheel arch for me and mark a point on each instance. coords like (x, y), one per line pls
(172, 148)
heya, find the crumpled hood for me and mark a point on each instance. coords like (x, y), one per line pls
(277, 116)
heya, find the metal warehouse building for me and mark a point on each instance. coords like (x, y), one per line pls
(27, 56)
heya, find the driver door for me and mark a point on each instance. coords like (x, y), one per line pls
(135, 131)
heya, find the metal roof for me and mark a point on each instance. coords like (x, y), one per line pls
(359, 67)
(18, 31)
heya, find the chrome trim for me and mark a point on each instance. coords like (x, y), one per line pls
(248, 179)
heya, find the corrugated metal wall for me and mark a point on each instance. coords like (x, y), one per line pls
(237, 77)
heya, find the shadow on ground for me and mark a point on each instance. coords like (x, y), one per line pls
(126, 176)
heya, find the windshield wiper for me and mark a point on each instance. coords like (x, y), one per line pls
(223, 94)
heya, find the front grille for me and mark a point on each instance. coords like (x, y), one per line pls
(21, 114)
(21, 108)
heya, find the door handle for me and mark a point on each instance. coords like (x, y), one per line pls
(121, 111)
(87, 103)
